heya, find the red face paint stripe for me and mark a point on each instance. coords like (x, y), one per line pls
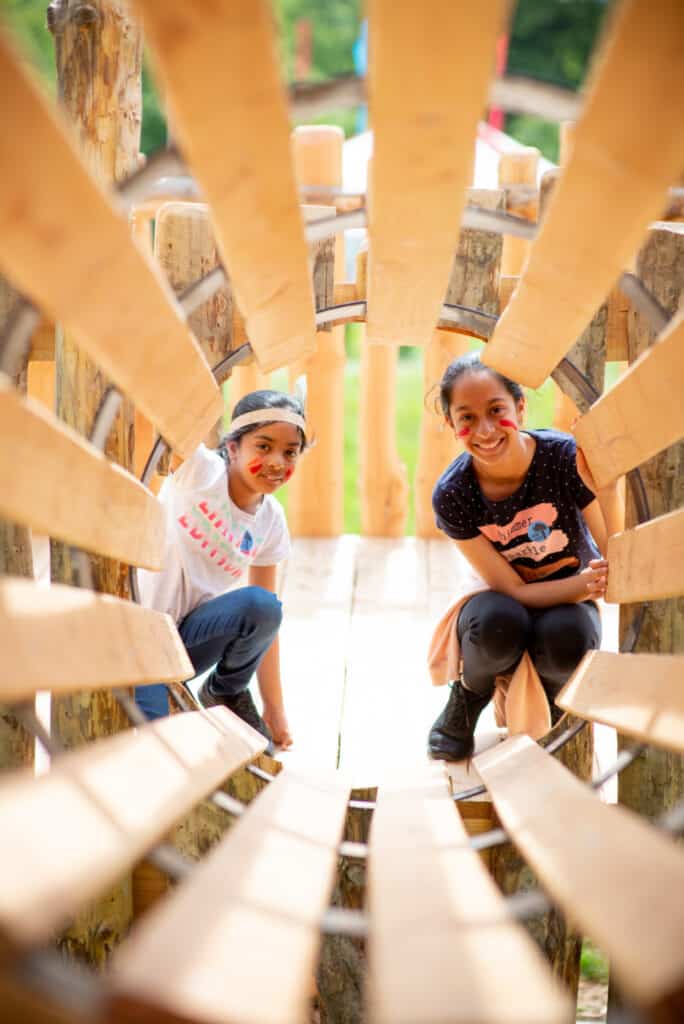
(508, 423)
(288, 473)
(464, 432)
(254, 466)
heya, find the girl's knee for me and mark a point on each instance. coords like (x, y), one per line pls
(563, 638)
(262, 609)
(498, 625)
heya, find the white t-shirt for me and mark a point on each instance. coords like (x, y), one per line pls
(210, 542)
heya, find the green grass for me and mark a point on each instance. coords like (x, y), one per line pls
(410, 404)
(593, 964)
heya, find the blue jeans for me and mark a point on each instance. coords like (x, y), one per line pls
(232, 632)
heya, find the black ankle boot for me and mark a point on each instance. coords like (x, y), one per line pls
(241, 704)
(451, 736)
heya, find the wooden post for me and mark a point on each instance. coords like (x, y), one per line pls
(186, 250)
(99, 60)
(655, 781)
(474, 282)
(316, 494)
(16, 744)
(384, 483)
(518, 168)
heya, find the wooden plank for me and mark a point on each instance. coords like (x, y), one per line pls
(230, 51)
(424, 109)
(59, 484)
(87, 641)
(642, 414)
(438, 923)
(64, 245)
(254, 907)
(640, 695)
(613, 874)
(313, 645)
(647, 563)
(612, 188)
(70, 833)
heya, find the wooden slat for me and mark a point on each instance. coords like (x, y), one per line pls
(59, 484)
(229, 51)
(237, 941)
(70, 833)
(424, 107)
(439, 927)
(63, 244)
(640, 695)
(642, 414)
(86, 641)
(613, 186)
(613, 874)
(647, 563)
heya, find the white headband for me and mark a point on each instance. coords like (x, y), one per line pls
(268, 416)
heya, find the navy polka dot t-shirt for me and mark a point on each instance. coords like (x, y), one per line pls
(539, 529)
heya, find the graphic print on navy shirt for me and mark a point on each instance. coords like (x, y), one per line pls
(539, 529)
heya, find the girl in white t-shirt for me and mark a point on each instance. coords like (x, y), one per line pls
(224, 529)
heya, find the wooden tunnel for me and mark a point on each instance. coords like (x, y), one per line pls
(288, 879)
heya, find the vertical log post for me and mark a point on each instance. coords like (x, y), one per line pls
(384, 482)
(16, 744)
(655, 781)
(474, 282)
(518, 168)
(316, 493)
(99, 60)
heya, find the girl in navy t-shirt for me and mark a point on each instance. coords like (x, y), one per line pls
(524, 511)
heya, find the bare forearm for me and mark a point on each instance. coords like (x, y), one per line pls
(550, 592)
(268, 677)
(612, 508)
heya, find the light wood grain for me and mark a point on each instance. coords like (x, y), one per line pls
(424, 108)
(439, 924)
(70, 833)
(63, 244)
(59, 484)
(640, 695)
(612, 188)
(65, 639)
(641, 414)
(647, 563)
(237, 941)
(229, 51)
(612, 873)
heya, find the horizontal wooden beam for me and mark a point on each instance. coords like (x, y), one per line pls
(611, 189)
(641, 414)
(88, 641)
(422, 159)
(260, 894)
(229, 51)
(70, 833)
(435, 913)
(64, 245)
(59, 484)
(647, 563)
(640, 695)
(611, 872)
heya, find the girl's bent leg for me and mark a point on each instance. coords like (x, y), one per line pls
(561, 636)
(493, 632)
(233, 632)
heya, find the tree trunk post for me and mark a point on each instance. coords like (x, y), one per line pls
(16, 744)
(316, 498)
(98, 50)
(474, 282)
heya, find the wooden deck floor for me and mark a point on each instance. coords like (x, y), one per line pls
(358, 616)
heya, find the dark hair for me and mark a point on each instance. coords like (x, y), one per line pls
(471, 363)
(265, 399)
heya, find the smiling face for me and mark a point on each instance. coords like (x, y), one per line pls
(262, 461)
(485, 416)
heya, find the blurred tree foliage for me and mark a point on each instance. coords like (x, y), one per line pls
(551, 40)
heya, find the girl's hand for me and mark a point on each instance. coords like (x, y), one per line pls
(276, 721)
(593, 580)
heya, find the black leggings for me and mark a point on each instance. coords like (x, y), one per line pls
(494, 630)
